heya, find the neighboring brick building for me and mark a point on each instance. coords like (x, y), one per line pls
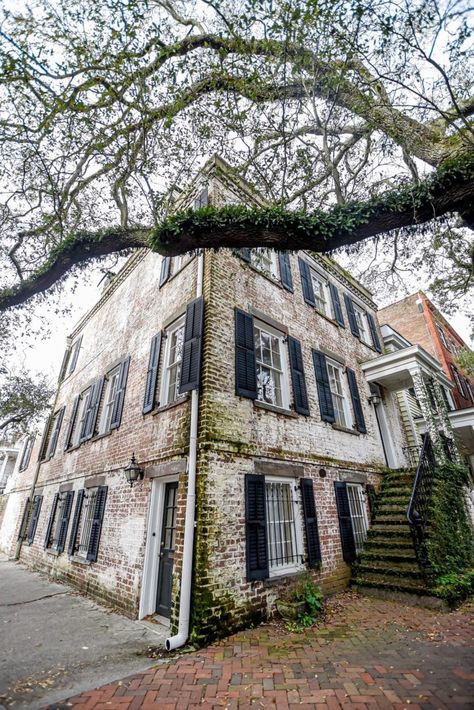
(245, 368)
(418, 320)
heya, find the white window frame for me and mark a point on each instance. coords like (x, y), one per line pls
(165, 379)
(342, 396)
(26, 453)
(442, 336)
(86, 518)
(84, 398)
(270, 255)
(49, 452)
(72, 356)
(108, 398)
(322, 303)
(359, 517)
(297, 524)
(361, 319)
(284, 380)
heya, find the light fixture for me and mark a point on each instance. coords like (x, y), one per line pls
(375, 399)
(133, 472)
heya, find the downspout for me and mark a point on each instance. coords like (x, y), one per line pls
(181, 637)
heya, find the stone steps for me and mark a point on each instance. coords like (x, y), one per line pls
(388, 562)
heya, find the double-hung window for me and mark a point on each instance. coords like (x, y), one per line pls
(26, 454)
(337, 385)
(321, 294)
(173, 358)
(112, 380)
(284, 526)
(358, 510)
(81, 417)
(87, 523)
(361, 320)
(277, 510)
(353, 519)
(339, 397)
(272, 369)
(265, 260)
(59, 521)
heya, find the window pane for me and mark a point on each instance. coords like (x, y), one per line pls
(269, 368)
(358, 514)
(281, 525)
(85, 522)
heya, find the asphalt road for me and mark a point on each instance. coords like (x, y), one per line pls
(55, 643)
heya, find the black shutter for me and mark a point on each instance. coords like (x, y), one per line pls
(24, 521)
(297, 376)
(310, 522)
(306, 282)
(285, 270)
(120, 395)
(356, 403)
(152, 374)
(351, 315)
(55, 434)
(97, 523)
(75, 354)
(34, 518)
(245, 254)
(90, 417)
(345, 522)
(75, 523)
(324, 391)
(373, 332)
(372, 499)
(336, 304)
(245, 364)
(165, 270)
(65, 513)
(256, 527)
(192, 346)
(51, 520)
(70, 427)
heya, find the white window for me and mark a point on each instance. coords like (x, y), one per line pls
(73, 355)
(85, 522)
(272, 369)
(321, 294)
(26, 455)
(81, 415)
(358, 510)
(442, 336)
(337, 385)
(265, 260)
(110, 393)
(361, 320)
(284, 526)
(172, 362)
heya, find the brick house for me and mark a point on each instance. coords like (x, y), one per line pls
(417, 319)
(236, 380)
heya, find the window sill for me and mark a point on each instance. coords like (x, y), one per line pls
(337, 427)
(274, 580)
(52, 551)
(181, 268)
(171, 405)
(272, 408)
(80, 560)
(328, 318)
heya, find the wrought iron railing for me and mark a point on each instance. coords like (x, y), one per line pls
(418, 512)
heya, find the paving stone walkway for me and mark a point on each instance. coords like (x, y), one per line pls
(367, 654)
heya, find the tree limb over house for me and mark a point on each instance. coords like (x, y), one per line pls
(354, 120)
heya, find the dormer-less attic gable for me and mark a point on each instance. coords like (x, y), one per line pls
(223, 185)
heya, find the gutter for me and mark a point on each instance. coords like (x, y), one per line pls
(180, 638)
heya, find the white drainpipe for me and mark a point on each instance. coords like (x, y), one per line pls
(181, 637)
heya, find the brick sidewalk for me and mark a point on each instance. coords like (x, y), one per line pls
(368, 654)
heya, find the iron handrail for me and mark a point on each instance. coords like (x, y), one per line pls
(420, 500)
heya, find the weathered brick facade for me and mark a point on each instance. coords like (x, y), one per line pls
(236, 436)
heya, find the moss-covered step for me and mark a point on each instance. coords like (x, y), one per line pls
(393, 582)
(389, 567)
